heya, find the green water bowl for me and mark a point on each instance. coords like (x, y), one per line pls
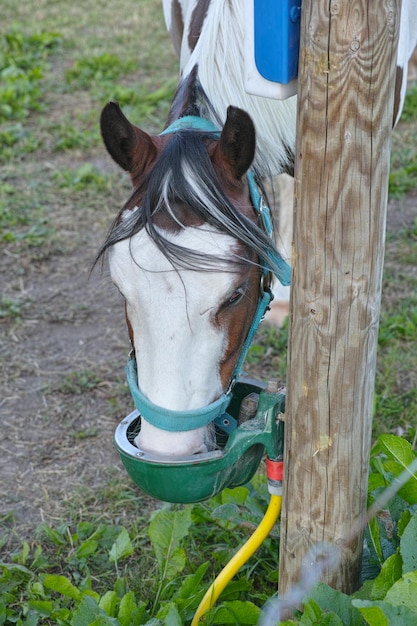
(201, 476)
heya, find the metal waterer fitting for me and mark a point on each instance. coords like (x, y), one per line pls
(201, 476)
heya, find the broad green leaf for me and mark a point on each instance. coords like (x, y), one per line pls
(127, 608)
(311, 612)
(121, 587)
(329, 599)
(228, 512)
(191, 585)
(15, 567)
(384, 614)
(375, 481)
(61, 585)
(409, 490)
(129, 612)
(108, 603)
(87, 548)
(104, 620)
(235, 589)
(85, 612)
(237, 495)
(170, 616)
(174, 564)
(400, 458)
(403, 521)
(91, 594)
(121, 548)
(235, 612)
(61, 616)
(325, 619)
(408, 546)
(32, 618)
(89, 613)
(166, 530)
(191, 590)
(397, 448)
(24, 553)
(404, 592)
(43, 607)
(375, 537)
(391, 571)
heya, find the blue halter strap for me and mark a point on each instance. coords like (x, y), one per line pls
(179, 421)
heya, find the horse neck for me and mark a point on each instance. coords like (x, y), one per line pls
(213, 79)
(216, 64)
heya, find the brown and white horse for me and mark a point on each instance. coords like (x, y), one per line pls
(189, 251)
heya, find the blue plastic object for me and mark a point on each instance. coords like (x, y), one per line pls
(277, 38)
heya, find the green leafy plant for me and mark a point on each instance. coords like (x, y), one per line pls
(11, 308)
(79, 381)
(22, 65)
(410, 105)
(99, 69)
(403, 179)
(84, 177)
(32, 591)
(29, 225)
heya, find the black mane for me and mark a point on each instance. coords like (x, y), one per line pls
(184, 174)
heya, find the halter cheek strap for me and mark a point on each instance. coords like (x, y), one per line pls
(281, 268)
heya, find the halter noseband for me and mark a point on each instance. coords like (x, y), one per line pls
(179, 421)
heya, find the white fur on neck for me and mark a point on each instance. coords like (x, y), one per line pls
(220, 59)
(219, 55)
(178, 347)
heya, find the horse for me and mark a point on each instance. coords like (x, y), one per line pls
(192, 250)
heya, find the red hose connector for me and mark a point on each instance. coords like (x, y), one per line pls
(274, 469)
(274, 472)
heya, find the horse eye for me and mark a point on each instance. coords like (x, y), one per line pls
(236, 296)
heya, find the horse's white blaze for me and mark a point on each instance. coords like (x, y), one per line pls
(178, 345)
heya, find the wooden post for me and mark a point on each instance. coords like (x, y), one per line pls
(346, 87)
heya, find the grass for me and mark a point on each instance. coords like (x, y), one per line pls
(11, 308)
(79, 381)
(22, 66)
(403, 175)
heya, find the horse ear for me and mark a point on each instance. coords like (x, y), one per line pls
(237, 142)
(129, 146)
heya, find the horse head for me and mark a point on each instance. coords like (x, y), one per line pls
(187, 252)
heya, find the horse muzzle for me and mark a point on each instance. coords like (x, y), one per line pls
(241, 441)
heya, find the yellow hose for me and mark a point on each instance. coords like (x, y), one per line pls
(240, 558)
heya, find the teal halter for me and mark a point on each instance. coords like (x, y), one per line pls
(179, 421)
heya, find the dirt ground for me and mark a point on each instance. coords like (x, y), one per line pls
(56, 427)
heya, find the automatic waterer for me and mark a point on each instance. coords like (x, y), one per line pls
(255, 409)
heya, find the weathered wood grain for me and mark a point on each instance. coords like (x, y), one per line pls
(346, 86)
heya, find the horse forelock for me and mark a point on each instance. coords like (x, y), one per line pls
(181, 190)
